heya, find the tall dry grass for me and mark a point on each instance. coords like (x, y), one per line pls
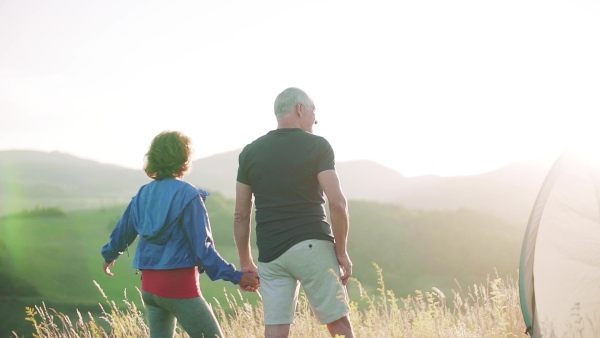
(491, 309)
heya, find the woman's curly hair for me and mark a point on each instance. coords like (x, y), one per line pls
(169, 156)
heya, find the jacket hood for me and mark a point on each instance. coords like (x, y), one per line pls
(159, 204)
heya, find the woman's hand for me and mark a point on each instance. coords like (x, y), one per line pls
(107, 266)
(250, 281)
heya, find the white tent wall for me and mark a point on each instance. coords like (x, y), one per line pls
(559, 275)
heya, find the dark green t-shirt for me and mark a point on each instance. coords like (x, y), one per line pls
(282, 167)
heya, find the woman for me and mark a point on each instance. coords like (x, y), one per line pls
(176, 243)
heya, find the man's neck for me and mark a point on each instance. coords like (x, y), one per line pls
(285, 123)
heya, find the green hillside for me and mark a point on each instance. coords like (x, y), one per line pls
(420, 249)
(56, 259)
(30, 178)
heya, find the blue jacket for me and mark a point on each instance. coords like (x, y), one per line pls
(172, 222)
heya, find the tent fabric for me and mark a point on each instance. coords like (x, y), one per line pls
(559, 272)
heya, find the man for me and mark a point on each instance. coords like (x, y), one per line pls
(286, 171)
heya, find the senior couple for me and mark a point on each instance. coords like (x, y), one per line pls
(285, 173)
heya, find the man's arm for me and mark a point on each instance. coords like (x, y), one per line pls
(338, 209)
(242, 227)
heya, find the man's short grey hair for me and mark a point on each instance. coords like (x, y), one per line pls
(286, 101)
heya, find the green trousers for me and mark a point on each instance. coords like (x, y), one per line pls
(194, 316)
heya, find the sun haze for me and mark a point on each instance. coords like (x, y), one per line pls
(446, 88)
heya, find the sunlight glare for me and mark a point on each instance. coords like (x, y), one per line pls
(586, 145)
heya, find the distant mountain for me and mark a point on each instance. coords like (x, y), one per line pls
(30, 178)
(216, 173)
(508, 193)
(57, 179)
(67, 174)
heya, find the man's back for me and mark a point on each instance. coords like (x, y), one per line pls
(282, 167)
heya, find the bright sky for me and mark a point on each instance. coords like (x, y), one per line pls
(425, 87)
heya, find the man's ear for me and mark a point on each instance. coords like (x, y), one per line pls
(299, 107)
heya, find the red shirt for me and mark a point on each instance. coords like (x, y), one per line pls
(176, 283)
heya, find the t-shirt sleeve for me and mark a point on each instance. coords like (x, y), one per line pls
(242, 176)
(326, 160)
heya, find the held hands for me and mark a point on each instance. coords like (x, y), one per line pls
(107, 266)
(250, 280)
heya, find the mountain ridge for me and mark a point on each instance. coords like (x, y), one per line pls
(32, 178)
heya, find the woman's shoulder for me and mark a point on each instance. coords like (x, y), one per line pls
(192, 189)
(173, 185)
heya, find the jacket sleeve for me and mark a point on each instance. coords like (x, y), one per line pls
(197, 228)
(121, 238)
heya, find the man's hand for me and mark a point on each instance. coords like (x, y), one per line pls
(250, 281)
(107, 268)
(346, 265)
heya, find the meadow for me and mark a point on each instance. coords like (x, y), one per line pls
(53, 260)
(487, 310)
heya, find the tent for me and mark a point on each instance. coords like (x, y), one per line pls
(559, 272)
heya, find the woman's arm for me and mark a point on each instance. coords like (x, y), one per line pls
(120, 239)
(197, 227)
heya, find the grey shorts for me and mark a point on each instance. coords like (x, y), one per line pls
(313, 264)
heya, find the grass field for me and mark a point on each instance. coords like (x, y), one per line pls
(60, 257)
(55, 260)
(490, 309)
